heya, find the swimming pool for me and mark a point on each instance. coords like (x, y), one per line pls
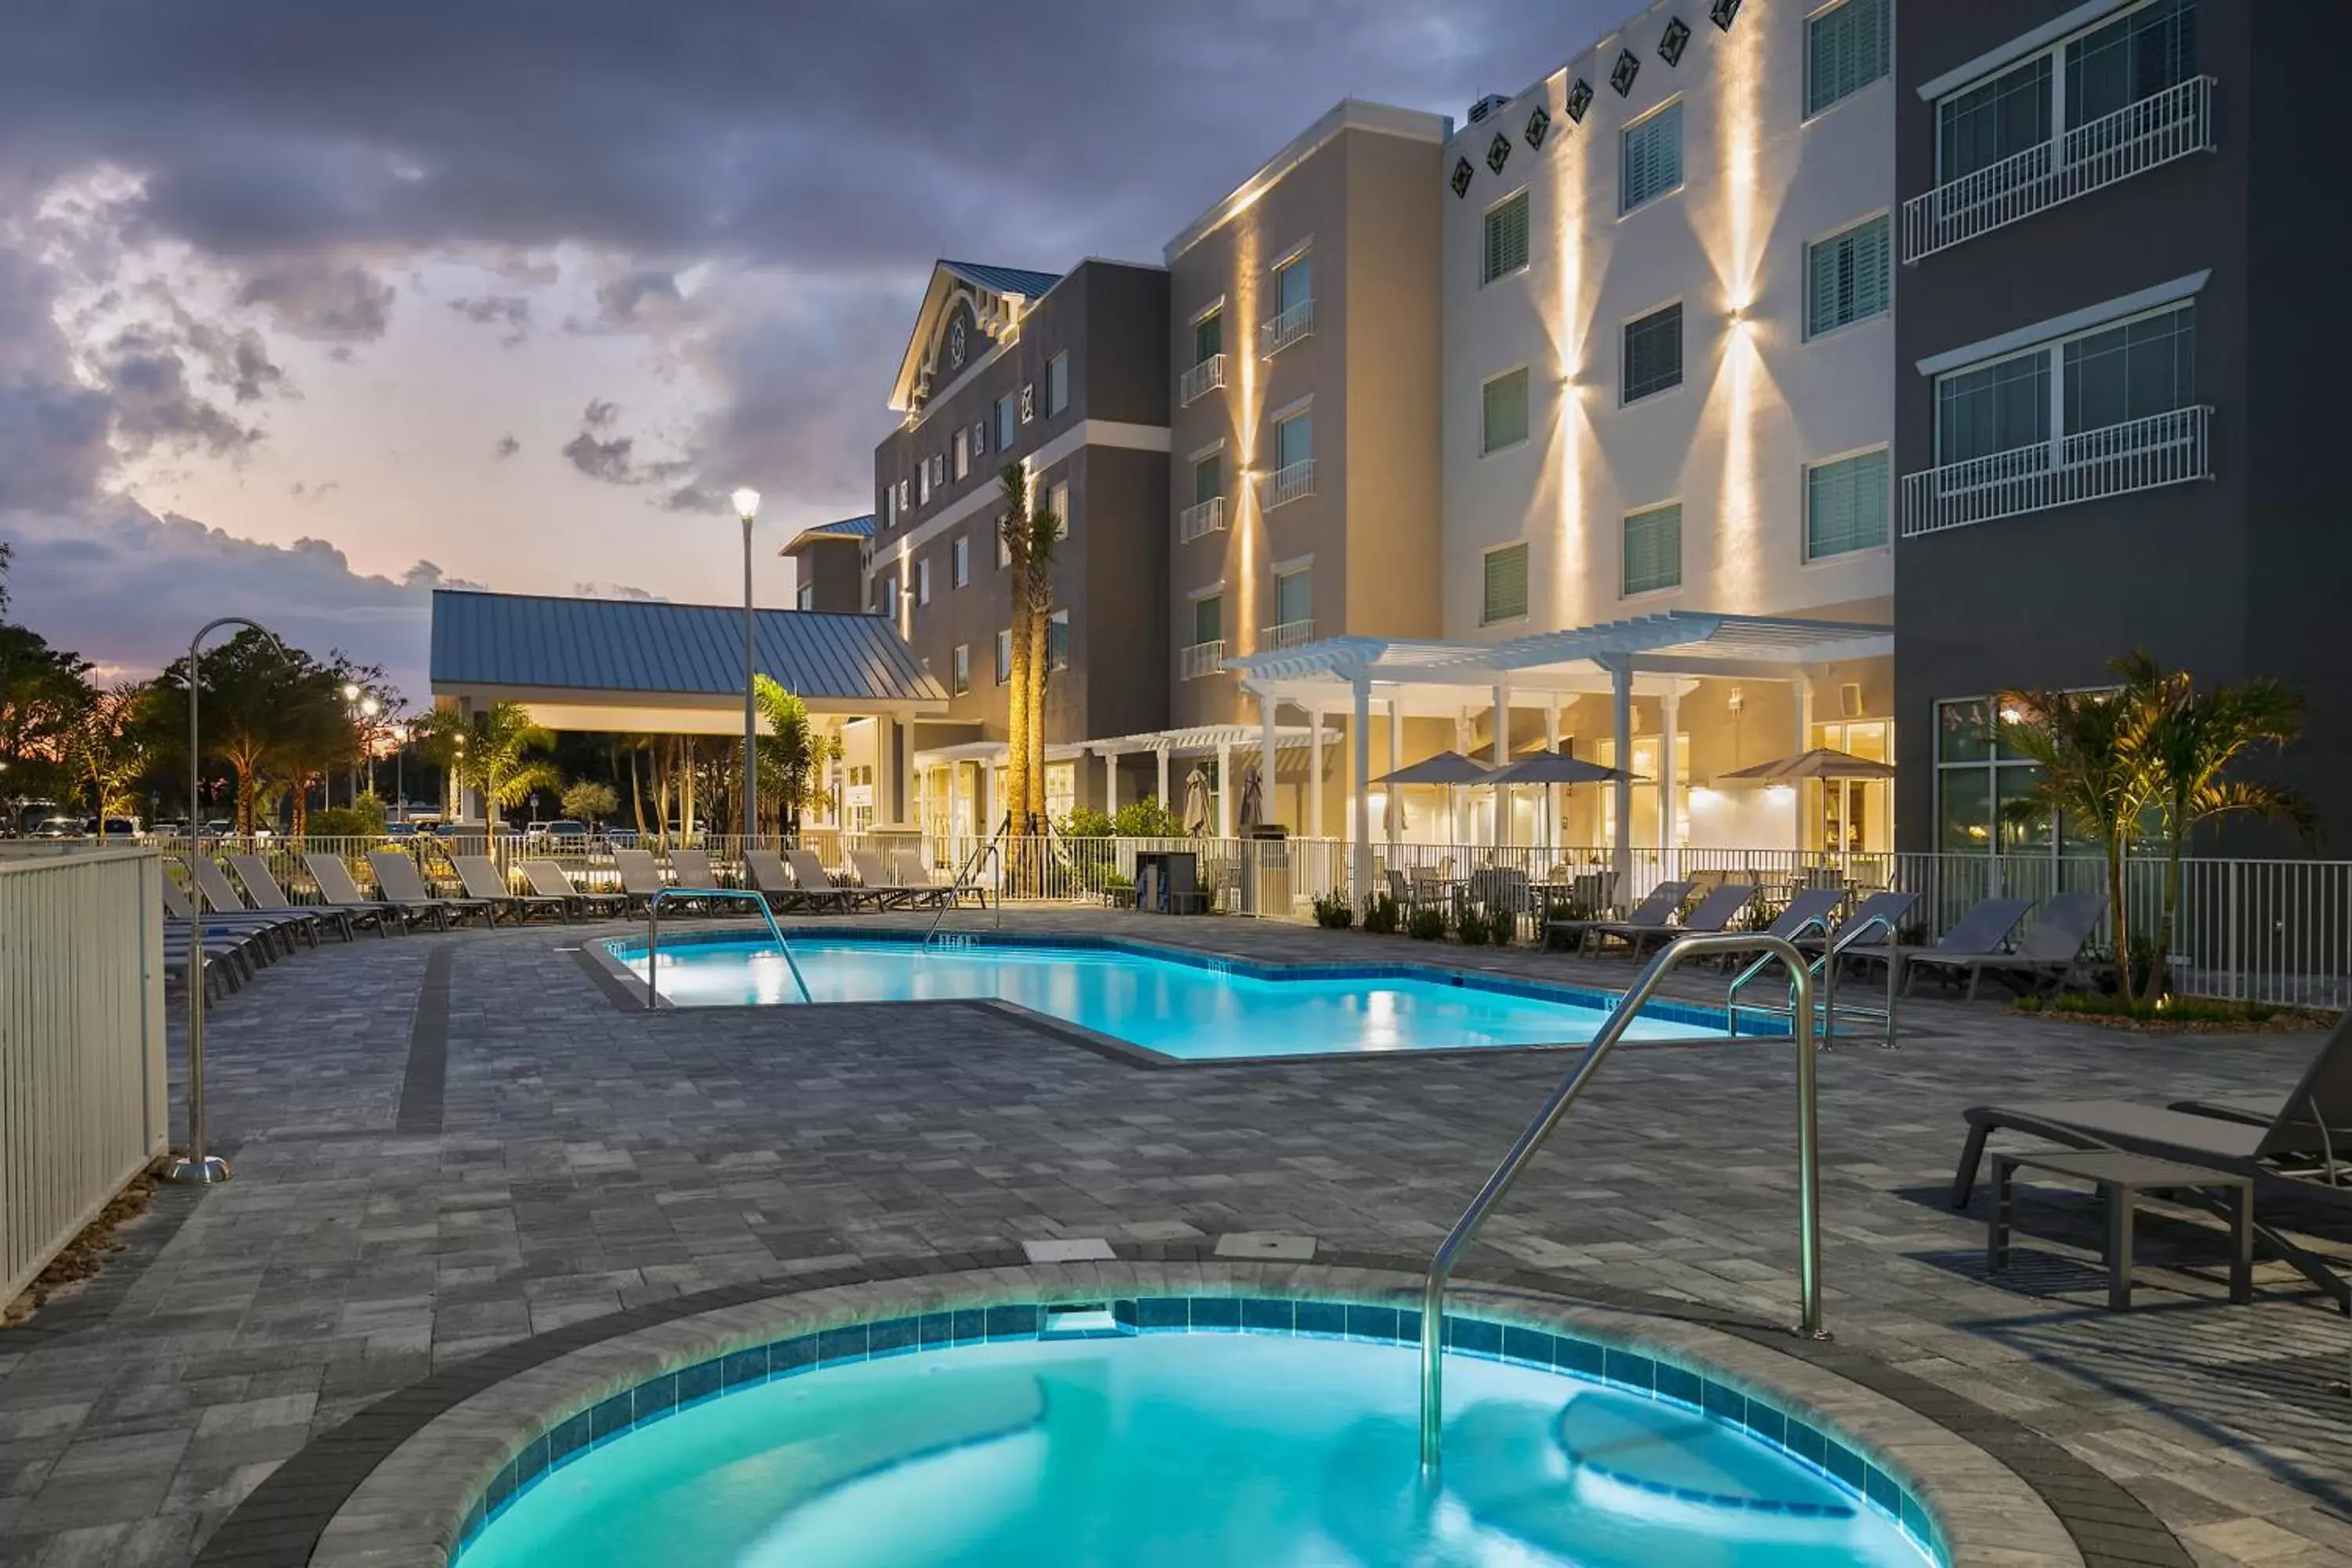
(1138, 1433)
(1177, 1004)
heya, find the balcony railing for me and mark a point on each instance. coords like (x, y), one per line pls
(2137, 137)
(1200, 519)
(1286, 329)
(1286, 634)
(1290, 484)
(2167, 448)
(1201, 380)
(1201, 658)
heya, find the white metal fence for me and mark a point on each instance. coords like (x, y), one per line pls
(82, 1102)
(2168, 448)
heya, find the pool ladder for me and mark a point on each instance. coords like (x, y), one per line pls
(1824, 969)
(987, 849)
(652, 935)
(1620, 1018)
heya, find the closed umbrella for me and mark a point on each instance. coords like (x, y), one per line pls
(1196, 804)
(1820, 763)
(1253, 801)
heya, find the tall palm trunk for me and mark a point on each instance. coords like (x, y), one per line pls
(1041, 667)
(1018, 720)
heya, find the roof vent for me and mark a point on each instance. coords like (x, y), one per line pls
(1487, 106)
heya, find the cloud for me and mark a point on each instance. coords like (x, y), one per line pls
(644, 296)
(509, 311)
(156, 408)
(507, 448)
(617, 591)
(600, 413)
(318, 299)
(614, 461)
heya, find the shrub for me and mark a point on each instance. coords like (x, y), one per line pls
(1472, 927)
(1572, 910)
(1426, 925)
(1145, 818)
(361, 820)
(589, 801)
(1118, 882)
(1333, 912)
(2169, 1010)
(1086, 822)
(1381, 916)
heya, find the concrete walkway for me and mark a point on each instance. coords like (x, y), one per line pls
(443, 1145)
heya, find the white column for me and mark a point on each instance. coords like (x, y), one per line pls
(1800, 704)
(1501, 751)
(1458, 829)
(1110, 783)
(1620, 699)
(1551, 791)
(1265, 758)
(1361, 872)
(1396, 760)
(1315, 772)
(1224, 789)
(1670, 776)
(1160, 754)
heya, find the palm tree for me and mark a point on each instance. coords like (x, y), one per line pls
(497, 754)
(106, 746)
(791, 754)
(1013, 528)
(2191, 740)
(2095, 772)
(1031, 531)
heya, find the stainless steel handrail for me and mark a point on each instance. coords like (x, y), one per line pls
(987, 849)
(1826, 967)
(1809, 1185)
(652, 935)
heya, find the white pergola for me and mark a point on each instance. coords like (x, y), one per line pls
(1661, 655)
(1223, 741)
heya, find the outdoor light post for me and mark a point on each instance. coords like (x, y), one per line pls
(196, 1166)
(747, 506)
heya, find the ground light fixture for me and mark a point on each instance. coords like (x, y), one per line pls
(198, 1166)
(747, 506)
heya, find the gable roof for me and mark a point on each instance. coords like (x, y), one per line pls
(1019, 280)
(1004, 293)
(523, 640)
(848, 528)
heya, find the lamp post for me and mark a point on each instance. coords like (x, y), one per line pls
(196, 1166)
(747, 506)
(369, 708)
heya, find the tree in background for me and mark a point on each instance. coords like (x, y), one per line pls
(107, 747)
(42, 691)
(1013, 528)
(590, 800)
(501, 757)
(267, 710)
(791, 754)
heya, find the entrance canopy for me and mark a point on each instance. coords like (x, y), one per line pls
(627, 666)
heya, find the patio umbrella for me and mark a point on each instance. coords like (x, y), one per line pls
(1557, 768)
(1196, 804)
(1253, 801)
(1446, 768)
(1820, 763)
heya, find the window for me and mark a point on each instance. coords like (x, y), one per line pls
(2006, 116)
(923, 484)
(1653, 550)
(940, 472)
(1209, 337)
(963, 454)
(1057, 384)
(1294, 597)
(1208, 478)
(1845, 51)
(1654, 354)
(1294, 283)
(1209, 618)
(1057, 501)
(2134, 370)
(1003, 551)
(1294, 439)
(1653, 163)
(1008, 422)
(979, 439)
(1057, 640)
(1846, 505)
(891, 594)
(922, 582)
(806, 596)
(2133, 58)
(962, 682)
(1005, 659)
(1846, 277)
(960, 562)
(1507, 238)
(890, 506)
(902, 499)
(1984, 791)
(1504, 413)
(1506, 584)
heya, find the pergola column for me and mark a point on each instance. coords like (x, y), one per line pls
(1160, 753)
(1801, 705)
(1620, 716)
(1361, 869)
(1551, 791)
(1110, 784)
(1224, 789)
(1315, 772)
(1501, 751)
(1265, 756)
(1396, 813)
(1670, 777)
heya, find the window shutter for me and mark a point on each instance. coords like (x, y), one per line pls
(1845, 51)
(1653, 550)
(1507, 238)
(1846, 506)
(1846, 277)
(1208, 618)
(1506, 583)
(1654, 156)
(1504, 412)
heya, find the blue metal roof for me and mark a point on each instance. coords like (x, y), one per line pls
(1003, 279)
(627, 645)
(847, 528)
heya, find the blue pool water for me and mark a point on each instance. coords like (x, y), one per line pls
(1192, 1010)
(1191, 1449)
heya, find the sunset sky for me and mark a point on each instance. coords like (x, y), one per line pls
(306, 307)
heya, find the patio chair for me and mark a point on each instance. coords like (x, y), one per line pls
(1652, 912)
(224, 901)
(334, 882)
(2324, 1096)
(1980, 933)
(401, 883)
(815, 886)
(1880, 911)
(261, 887)
(917, 876)
(1711, 915)
(641, 876)
(1808, 910)
(550, 881)
(485, 883)
(252, 944)
(692, 868)
(879, 886)
(228, 963)
(2044, 959)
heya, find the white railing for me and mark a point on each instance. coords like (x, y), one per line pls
(2137, 137)
(1199, 381)
(1285, 634)
(82, 1098)
(1202, 658)
(1285, 329)
(2167, 448)
(1200, 519)
(1294, 482)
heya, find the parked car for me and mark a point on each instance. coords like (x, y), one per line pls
(621, 837)
(222, 828)
(564, 833)
(122, 827)
(60, 828)
(402, 830)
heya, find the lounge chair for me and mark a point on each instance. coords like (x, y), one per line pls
(817, 888)
(335, 885)
(267, 934)
(261, 887)
(1809, 909)
(2044, 959)
(485, 883)
(2294, 1155)
(1882, 912)
(400, 882)
(914, 874)
(692, 868)
(880, 883)
(641, 876)
(224, 901)
(2324, 1097)
(550, 881)
(765, 869)
(248, 944)
(1978, 934)
(1652, 912)
(1711, 915)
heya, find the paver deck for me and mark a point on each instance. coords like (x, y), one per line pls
(578, 1159)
